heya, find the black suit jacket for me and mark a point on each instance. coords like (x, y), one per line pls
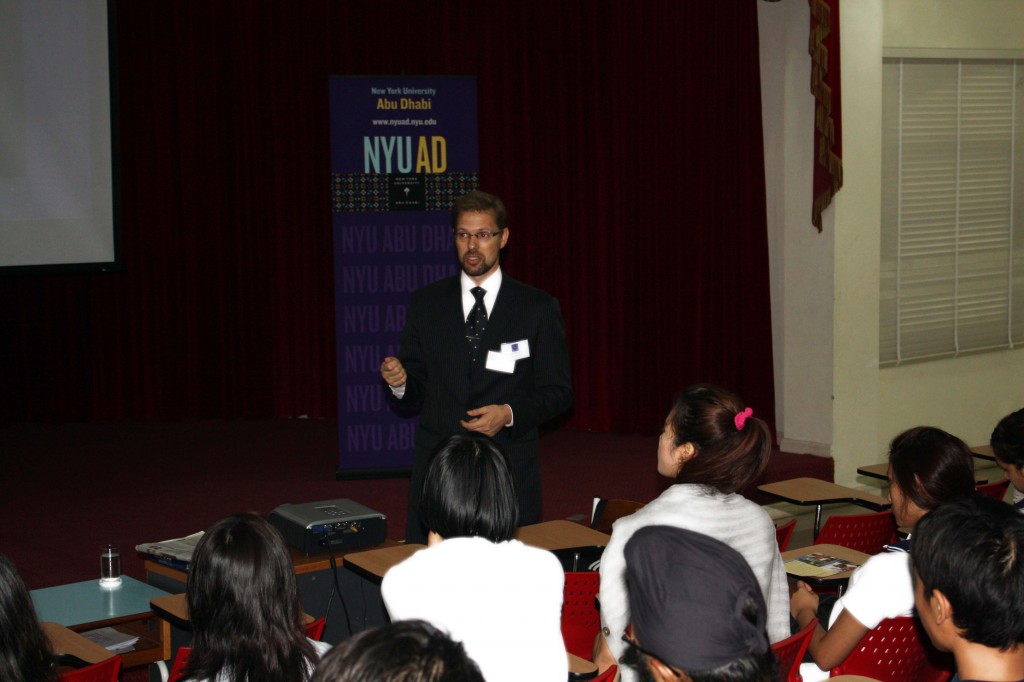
(442, 385)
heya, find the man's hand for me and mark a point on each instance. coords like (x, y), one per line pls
(488, 420)
(393, 372)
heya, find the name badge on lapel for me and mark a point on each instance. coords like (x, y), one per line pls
(505, 360)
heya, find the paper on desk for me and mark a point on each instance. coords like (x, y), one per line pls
(818, 565)
(180, 549)
(111, 639)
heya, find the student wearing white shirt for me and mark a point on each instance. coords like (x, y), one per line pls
(927, 467)
(502, 599)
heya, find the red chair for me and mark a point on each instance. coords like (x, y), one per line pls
(581, 620)
(607, 676)
(895, 652)
(783, 532)
(996, 490)
(315, 629)
(790, 652)
(104, 671)
(867, 533)
(180, 661)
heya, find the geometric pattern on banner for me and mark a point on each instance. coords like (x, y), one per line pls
(444, 188)
(355, 192)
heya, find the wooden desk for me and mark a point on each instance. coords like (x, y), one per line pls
(808, 491)
(86, 606)
(549, 535)
(581, 666)
(875, 470)
(838, 551)
(983, 452)
(63, 640)
(560, 534)
(882, 471)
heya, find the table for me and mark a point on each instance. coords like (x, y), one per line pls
(882, 471)
(63, 640)
(875, 470)
(983, 452)
(86, 606)
(813, 491)
(550, 535)
(838, 551)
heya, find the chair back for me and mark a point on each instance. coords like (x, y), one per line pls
(180, 661)
(607, 512)
(581, 620)
(894, 651)
(868, 533)
(790, 652)
(783, 532)
(315, 629)
(995, 490)
(104, 671)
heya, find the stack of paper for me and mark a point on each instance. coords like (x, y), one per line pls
(111, 639)
(177, 552)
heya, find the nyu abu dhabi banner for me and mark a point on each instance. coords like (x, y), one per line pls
(402, 150)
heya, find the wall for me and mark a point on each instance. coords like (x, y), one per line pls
(967, 395)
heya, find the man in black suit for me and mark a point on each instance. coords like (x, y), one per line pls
(481, 352)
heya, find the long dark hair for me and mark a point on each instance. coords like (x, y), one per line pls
(244, 606)
(931, 466)
(25, 654)
(731, 453)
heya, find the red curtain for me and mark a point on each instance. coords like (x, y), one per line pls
(823, 46)
(625, 139)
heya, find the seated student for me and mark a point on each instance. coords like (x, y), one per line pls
(927, 467)
(968, 561)
(243, 603)
(697, 610)
(1008, 446)
(25, 653)
(500, 598)
(713, 447)
(410, 651)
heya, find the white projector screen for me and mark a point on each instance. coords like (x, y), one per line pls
(57, 161)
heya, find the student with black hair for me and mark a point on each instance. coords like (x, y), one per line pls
(927, 468)
(1008, 446)
(409, 650)
(491, 592)
(25, 653)
(697, 610)
(968, 563)
(243, 603)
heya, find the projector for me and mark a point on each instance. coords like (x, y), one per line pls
(316, 527)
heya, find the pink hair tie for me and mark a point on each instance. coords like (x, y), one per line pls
(741, 418)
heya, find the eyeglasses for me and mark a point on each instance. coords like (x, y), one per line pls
(482, 237)
(633, 645)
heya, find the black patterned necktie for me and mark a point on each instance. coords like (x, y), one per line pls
(476, 323)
